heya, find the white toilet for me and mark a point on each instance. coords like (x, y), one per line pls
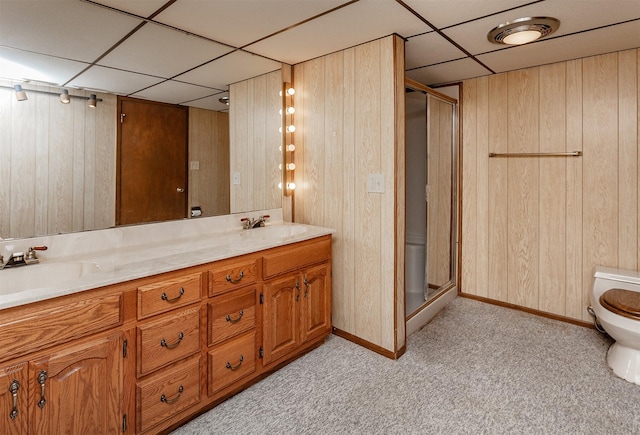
(615, 301)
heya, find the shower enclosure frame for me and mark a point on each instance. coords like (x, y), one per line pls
(447, 291)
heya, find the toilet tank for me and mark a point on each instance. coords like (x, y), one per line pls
(606, 278)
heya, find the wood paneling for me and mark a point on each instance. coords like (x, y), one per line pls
(209, 146)
(58, 164)
(550, 221)
(349, 129)
(254, 119)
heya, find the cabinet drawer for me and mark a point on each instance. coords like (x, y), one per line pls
(234, 273)
(231, 314)
(168, 339)
(166, 295)
(231, 361)
(26, 330)
(295, 257)
(168, 393)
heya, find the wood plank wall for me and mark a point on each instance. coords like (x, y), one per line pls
(255, 155)
(209, 146)
(350, 123)
(533, 229)
(57, 163)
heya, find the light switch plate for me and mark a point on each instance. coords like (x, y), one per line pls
(375, 183)
(236, 178)
(194, 165)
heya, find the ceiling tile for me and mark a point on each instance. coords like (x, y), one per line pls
(608, 39)
(23, 65)
(160, 51)
(65, 28)
(174, 92)
(210, 103)
(447, 72)
(443, 13)
(143, 8)
(240, 22)
(232, 68)
(591, 13)
(113, 80)
(429, 48)
(355, 24)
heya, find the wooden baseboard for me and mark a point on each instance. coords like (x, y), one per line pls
(528, 310)
(368, 345)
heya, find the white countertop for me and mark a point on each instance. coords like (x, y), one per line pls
(83, 261)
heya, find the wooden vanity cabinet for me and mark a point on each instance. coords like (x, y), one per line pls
(145, 355)
(168, 337)
(69, 378)
(297, 298)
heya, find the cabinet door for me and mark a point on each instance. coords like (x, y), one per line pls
(281, 311)
(78, 388)
(316, 302)
(13, 399)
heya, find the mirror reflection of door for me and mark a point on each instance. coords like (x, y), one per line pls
(151, 161)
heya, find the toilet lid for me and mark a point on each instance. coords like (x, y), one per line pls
(623, 302)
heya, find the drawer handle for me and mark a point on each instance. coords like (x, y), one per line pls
(164, 343)
(164, 399)
(236, 367)
(166, 298)
(234, 281)
(42, 377)
(13, 389)
(236, 320)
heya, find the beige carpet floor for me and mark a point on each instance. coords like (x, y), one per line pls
(475, 369)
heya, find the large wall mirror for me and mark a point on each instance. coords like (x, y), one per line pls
(58, 165)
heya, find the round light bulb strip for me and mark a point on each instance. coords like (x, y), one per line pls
(288, 128)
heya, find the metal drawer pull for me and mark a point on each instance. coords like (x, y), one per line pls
(42, 377)
(234, 281)
(13, 389)
(236, 320)
(164, 343)
(166, 298)
(306, 286)
(236, 367)
(164, 399)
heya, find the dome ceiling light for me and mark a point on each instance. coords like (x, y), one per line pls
(523, 30)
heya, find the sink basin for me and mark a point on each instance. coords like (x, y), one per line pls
(37, 276)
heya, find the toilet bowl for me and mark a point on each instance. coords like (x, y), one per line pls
(615, 302)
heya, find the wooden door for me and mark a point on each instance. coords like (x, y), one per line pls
(78, 389)
(280, 313)
(152, 161)
(316, 302)
(13, 399)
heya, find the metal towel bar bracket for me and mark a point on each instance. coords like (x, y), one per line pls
(567, 154)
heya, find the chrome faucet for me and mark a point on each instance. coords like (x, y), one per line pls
(248, 223)
(21, 259)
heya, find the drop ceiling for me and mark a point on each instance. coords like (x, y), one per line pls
(189, 51)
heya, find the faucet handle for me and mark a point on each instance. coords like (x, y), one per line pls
(31, 253)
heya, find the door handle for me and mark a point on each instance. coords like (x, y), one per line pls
(180, 190)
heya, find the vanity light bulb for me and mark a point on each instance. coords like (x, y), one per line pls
(291, 166)
(291, 186)
(280, 186)
(280, 166)
(280, 111)
(280, 129)
(291, 128)
(291, 110)
(280, 148)
(291, 148)
(291, 91)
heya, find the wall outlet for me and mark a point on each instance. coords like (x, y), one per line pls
(236, 178)
(194, 166)
(375, 183)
